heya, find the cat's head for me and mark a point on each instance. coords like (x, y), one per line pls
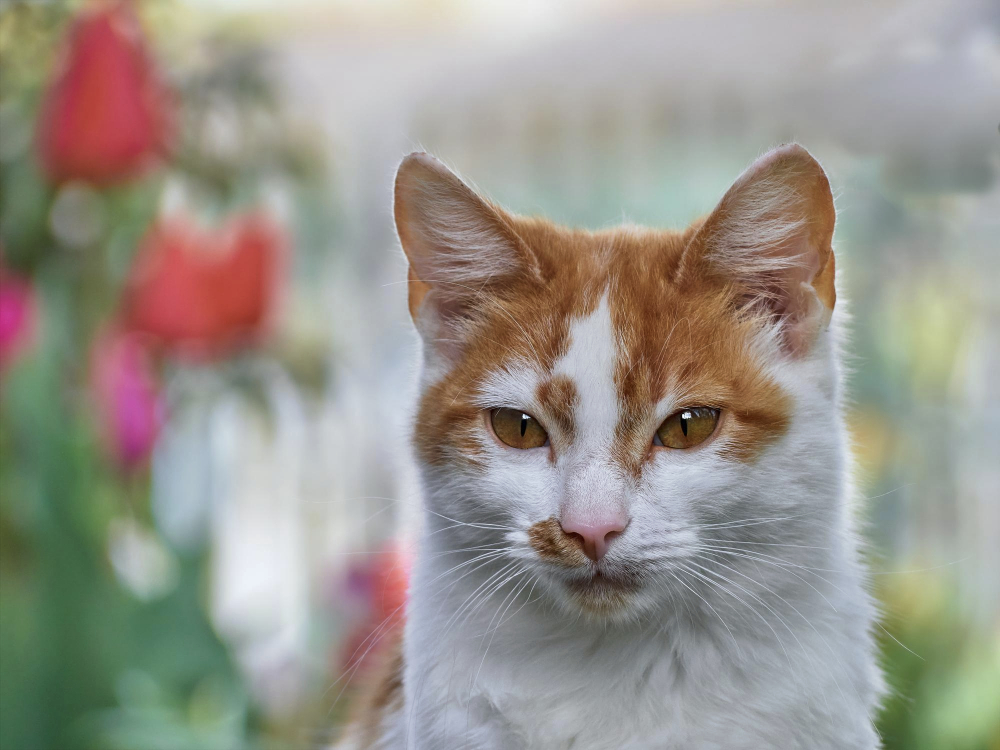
(609, 412)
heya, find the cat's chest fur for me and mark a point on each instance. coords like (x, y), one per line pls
(534, 684)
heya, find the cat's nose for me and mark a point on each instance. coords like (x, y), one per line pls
(594, 536)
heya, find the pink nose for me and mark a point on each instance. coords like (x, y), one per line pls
(595, 537)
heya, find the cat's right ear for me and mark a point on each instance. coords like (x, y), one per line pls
(770, 240)
(461, 248)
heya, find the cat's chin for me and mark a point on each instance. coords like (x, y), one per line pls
(603, 595)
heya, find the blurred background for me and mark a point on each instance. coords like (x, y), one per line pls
(207, 362)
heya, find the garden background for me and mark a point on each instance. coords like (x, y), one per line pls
(207, 363)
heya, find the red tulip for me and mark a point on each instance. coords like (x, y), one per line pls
(204, 292)
(391, 574)
(127, 397)
(105, 116)
(17, 316)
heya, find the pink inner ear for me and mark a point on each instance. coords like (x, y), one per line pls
(771, 236)
(794, 299)
(791, 295)
(808, 318)
(792, 289)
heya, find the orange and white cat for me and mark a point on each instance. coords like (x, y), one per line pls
(636, 481)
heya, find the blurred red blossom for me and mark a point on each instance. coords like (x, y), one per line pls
(204, 292)
(381, 583)
(127, 396)
(17, 316)
(106, 115)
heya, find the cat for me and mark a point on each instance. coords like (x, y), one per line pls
(637, 524)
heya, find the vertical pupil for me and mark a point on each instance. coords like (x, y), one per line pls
(524, 424)
(684, 422)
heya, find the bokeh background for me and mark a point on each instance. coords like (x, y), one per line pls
(207, 364)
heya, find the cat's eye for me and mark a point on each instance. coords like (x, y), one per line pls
(517, 429)
(687, 428)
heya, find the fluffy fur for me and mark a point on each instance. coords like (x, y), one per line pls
(731, 612)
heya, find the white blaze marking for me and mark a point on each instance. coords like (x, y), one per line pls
(590, 363)
(592, 485)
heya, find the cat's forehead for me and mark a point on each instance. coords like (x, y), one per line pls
(606, 303)
(601, 345)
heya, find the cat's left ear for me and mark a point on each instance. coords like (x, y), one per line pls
(461, 247)
(770, 240)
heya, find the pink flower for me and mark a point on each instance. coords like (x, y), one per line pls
(127, 397)
(381, 582)
(17, 317)
(106, 115)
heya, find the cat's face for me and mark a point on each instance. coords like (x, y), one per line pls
(614, 415)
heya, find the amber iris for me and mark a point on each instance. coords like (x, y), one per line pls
(517, 429)
(688, 427)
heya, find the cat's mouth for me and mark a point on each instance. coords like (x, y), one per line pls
(602, 592)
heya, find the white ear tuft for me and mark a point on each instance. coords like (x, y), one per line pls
(770, 237)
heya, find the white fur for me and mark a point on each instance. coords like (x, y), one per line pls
(751, 626)
(592, 486)
(776, 656)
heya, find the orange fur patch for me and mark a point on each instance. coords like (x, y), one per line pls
(681, 336)
(551, 543)
(558, 398)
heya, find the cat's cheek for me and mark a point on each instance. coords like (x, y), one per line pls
(677, 486)
(523, 485)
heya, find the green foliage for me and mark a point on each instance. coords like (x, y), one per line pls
(87, 662)
(71, 632)
(943, 671)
